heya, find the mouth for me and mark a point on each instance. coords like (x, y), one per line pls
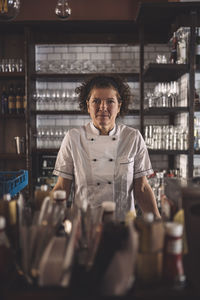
(102, 116)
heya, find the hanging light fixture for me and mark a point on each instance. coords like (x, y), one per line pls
(9, 9)
(62, 9)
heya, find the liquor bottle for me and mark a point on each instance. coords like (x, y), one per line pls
(4, 101)
(173, 56)
(19, 101)
(198, 47)
(24, 100)
(11, 100)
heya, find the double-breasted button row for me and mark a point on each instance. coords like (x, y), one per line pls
(109, 182)
(110, 159)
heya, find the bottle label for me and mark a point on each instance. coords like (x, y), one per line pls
(18, 102)
(174, 246)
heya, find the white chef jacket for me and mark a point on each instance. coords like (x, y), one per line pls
(103, 167)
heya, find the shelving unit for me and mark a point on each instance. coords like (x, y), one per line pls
(19, 40)
(169, 17)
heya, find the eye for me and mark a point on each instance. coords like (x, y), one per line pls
(110, 101)
(96, 101)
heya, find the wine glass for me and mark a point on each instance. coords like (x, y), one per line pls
(62, 9)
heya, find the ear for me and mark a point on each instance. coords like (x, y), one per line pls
(88, 108)
(119, 106)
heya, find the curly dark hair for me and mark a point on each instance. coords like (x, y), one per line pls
(104, 81)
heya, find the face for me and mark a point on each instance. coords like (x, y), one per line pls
(103, 107)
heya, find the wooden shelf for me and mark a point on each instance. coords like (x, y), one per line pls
(12, 156)
(155, 72)
(66, 77)
(45, 151)
(74, 112)
(12, 116)
(12, 75)
(165, 111)
(167, 152)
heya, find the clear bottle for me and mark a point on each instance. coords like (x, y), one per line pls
(198, 47)
(173, 56)
(59, 197)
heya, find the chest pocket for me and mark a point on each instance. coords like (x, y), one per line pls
(125, 168)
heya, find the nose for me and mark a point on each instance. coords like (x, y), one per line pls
(103, 105)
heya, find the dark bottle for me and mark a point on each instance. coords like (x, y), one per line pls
(173, 56)
(198, 47)
(11, 100)
(24, 100)
(4, 101)
(19, 100)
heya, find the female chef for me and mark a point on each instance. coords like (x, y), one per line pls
(105, 159)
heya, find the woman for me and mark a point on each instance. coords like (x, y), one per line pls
(106, 160)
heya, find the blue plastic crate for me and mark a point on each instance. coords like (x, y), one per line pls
(13, 182)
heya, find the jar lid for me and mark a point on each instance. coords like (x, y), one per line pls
(108, 206)
(174, 229)
(7, 197)
(44, 187)
(2, 222)
(59, 195)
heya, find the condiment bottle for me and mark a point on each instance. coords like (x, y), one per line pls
(108, 211)
(59, 197)
(173, 271)
(40, 194)
(150, 255)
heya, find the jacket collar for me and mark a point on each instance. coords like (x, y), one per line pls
(92, 132)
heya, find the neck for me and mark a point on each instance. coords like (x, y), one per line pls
(104, 130)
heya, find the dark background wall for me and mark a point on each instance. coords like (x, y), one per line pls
(81, 9)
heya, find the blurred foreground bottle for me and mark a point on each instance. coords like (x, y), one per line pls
(173, 271)
(150, 256)
(5, 252)
(40, 194)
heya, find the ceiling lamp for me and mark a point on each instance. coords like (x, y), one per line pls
(62, 9)
(9, 9)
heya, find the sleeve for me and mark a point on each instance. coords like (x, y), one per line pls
(64, 165)
(142, 166)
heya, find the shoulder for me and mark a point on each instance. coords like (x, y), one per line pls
(127, 130)
(76, 131)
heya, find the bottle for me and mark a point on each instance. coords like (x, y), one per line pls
(11, 100)
(5, 252)
(173, 56)
(19, 101)
(40, 194)
(4, 101)
(59, 197)
(24, 100)
(150, 254)
(198, 47)
(173, 271)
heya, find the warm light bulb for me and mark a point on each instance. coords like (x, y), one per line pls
(9, 9)
(62, 9)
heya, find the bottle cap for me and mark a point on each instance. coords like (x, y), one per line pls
(174, 229)
(44, 187)
(7, 197)
(2, 222)
(109, 206)
(148, 217)
(59, 195)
